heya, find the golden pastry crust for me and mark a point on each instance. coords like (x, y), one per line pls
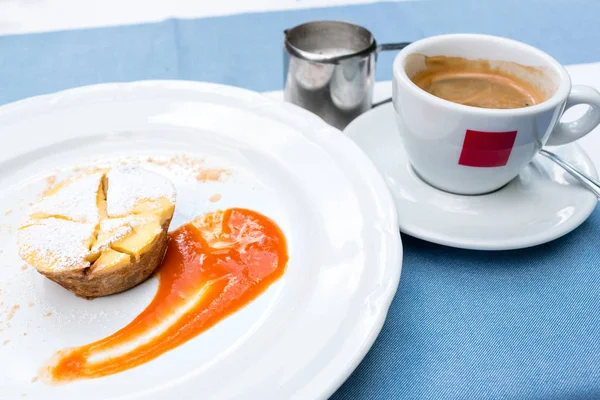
(94, 282)
(90, 250)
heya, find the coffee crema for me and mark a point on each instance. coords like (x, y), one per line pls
(476, 83)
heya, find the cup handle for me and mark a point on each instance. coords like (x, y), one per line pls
(566, 132)
(391, 46)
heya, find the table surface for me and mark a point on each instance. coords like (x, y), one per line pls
(464, 324)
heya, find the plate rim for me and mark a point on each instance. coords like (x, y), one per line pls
(444, 240)
(392, 263)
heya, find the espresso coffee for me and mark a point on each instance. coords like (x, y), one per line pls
(476, 83)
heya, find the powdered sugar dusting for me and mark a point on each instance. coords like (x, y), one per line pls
(69, 227)
(110, 224)
(56, 244)
(128, 186)
(112, 230)
(76, 200)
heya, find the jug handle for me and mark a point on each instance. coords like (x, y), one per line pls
(391, 46)
(388, 47)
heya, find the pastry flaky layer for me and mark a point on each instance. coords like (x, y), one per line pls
(100, 233)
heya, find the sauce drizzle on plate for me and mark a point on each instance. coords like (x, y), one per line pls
(213, 266)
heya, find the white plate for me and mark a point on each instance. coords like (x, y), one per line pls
(302, 337)
(541, 204)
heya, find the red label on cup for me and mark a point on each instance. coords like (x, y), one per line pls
(486, 149)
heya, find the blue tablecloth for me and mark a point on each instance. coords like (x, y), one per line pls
(464, 324)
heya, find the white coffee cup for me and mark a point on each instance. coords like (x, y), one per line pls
(470, 150)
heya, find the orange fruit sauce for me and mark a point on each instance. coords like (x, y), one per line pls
(219, 263)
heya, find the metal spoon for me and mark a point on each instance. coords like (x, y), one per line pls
(592, 184)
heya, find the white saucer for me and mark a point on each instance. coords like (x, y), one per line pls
(543, 203)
